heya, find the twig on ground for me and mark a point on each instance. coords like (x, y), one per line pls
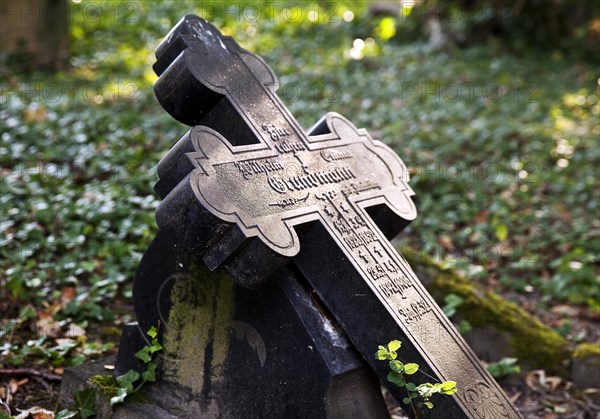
(44, 384)
(30, 371)
(588, 407)
(514, 398)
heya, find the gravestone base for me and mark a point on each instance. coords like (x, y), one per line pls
(354, 394)
(233, 352)
(164, 400)
(146, 403)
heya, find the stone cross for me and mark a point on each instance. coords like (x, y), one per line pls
(321, 199)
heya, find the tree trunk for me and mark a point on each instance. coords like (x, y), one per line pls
(34, 34)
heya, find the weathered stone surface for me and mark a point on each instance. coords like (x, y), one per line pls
(138, 406)
(231, 352)
(586, 366)
(236, 352)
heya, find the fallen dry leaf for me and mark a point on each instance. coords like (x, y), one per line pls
(482, 217)
(63, 341)
(14, 384)
(535, 379)
(445, 241)
(44, 315)
(74, 330)
(552, 383)
(66, 295)
(35, 115)
(35, 412)
(565, 310)
(48, 327)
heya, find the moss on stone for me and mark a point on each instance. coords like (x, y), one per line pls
(106, 385)
(533, 342)
(586, 350)
(201, 311)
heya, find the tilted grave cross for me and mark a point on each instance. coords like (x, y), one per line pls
(246, 190)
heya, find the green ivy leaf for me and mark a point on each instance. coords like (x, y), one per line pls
(63, 414)
(152, 332)
(397, 366)
(85, 400)
(155, 346)
(394, 345)
(429, 405)
(396, 378)
(411, 387)
(126, 380)
(448, 387)
(144, 354)
(501, 232)
(411, 368)
(150, 373)
(120, 397)
(382, 354)
(406, 400)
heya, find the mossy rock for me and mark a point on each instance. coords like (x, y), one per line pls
(106, 385)
(585, 370)
(587, 351)
(528, 339)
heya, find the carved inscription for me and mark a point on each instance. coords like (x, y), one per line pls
(415, 311)
(288, 202)
(249, 168)
(289, 147)
(375, 258)
(359, 187)
(276, 133)
(310, 180)
(356, 239)
(333, 155)
(376, 271)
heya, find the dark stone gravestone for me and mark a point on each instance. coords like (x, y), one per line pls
(272, 276)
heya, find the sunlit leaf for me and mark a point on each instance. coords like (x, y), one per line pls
(411, 368)
(394, 345)
(62, 414)
(152, 332)
(396, 366)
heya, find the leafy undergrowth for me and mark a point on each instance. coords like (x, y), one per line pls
(502, 146)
